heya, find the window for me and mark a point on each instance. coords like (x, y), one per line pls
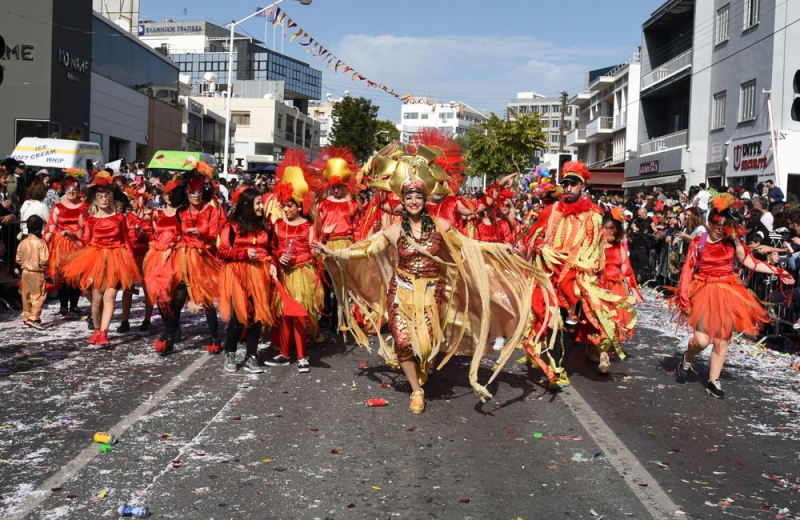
(556, 109)
(240, 118)
(411, 115)
(545, 109)
(718, 111)
(747, 101)
(424, 116)
(554, 138)
(750, 13)
(280, 121)
(723, 17)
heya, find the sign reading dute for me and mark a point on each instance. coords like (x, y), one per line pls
(751, 156)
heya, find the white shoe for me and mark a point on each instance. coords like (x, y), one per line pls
(499, 343)
(303, 366)
(605, 363)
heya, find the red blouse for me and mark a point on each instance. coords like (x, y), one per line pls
(106, 232)
(260, 241)
(166, 230)
(207, 222)
(298, 236)
(499, 232)
(341, 216)
(68, 218)
(140, 240)
(447, 210)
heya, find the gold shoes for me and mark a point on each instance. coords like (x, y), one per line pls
(605, 363)
(417, 404)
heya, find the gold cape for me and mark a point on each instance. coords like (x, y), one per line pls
(487, 294)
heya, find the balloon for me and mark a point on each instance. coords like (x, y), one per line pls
(545, 173)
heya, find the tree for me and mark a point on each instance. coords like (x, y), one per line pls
(499, 147)
(386, 133)
(355, 122)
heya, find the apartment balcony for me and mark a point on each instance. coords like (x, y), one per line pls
(581, 99)
(665, 142)
(620, 121)
(598, 128)
(671, 69)
(576, 137)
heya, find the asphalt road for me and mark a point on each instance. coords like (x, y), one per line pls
(196, 442)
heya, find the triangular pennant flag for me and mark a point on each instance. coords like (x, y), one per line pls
(295, 35)
(276, 20)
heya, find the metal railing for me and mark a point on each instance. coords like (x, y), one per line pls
(665, 142)
(620, 120)
(667, 70)
(599, 123)
(579, 134)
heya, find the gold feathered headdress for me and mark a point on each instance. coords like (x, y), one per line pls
(401, 172)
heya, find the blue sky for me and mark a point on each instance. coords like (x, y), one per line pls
(480, 53)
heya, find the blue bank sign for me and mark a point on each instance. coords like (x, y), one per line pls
(169, 29)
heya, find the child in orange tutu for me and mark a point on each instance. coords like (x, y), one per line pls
(140, 228)
(159, 277)
(245, 278)
(106, 263)
(711, 298)
(619, 279)
(194, 259)
(61, 236)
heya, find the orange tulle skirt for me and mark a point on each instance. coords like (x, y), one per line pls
(159, 276)
(721, 306)
(199, 270)
(245, 288)
(61, 248)
(101, 268)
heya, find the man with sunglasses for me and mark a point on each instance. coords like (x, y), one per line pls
(567, 239)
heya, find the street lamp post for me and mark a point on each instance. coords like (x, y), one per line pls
(233, 25)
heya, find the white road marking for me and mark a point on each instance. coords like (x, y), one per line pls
(90, 452)
(652, 496)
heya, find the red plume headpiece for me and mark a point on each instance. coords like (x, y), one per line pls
(236, 194)
(196, 183)
(576, 170)
(618, 214)
(338, 166)
(171, 185)
(451, 161)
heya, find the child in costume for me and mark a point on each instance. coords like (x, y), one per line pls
(33, 257)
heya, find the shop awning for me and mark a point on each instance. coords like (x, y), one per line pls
(633, 183)
(600, 178)
(658, 181)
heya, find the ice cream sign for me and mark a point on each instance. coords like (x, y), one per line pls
(178, 160)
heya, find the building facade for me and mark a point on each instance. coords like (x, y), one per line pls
(454, 117)
(322, 112)
(45, 70)
(719, 90)
(549, 110)
(201, 51)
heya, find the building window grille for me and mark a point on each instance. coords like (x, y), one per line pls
(240, 118)
(751, 8)
(723, 21)
(718, 111)
(747, 101)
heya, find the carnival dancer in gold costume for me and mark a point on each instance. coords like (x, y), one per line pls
(567, 242)
(438, 289)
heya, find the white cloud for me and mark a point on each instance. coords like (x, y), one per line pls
(483, 71)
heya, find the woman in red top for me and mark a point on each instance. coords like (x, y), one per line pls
(712, 298)
(140, 229)
(246, 277)
(159, 277)
(62, 239)
(106, 264)
(619, 279)
(194, 260)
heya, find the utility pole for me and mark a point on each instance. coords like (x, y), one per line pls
(561, 125)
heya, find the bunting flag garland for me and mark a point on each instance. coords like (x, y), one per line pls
(331, 60)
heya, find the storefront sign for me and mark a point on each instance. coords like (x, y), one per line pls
(715, 169)
(169, 29)
(76, 63)
(18, 52)
(749, 156)
(717, 152)
(649, 167)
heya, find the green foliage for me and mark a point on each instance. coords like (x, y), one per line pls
(355, 125)
(500, 147)
(386, 133)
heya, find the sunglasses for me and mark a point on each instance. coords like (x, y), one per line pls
(195, 193)
(569, 183)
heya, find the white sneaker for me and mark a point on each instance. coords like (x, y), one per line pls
(303, 366)
(796, 325)
(499, 343)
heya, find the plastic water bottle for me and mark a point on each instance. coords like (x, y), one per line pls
(137, 511)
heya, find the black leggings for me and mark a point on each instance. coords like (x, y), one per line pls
(172, 316)
(565, 340)
(234, 331)
(68, 297)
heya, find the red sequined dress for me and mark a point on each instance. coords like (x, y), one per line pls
(337, 220)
